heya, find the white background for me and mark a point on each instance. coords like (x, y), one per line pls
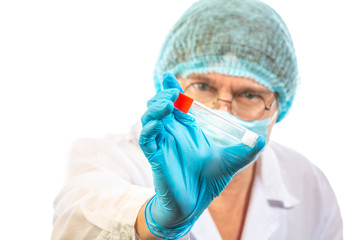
(84, 68)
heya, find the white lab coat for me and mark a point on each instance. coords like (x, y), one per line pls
(109, 179)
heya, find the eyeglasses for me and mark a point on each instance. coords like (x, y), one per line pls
(247, 104)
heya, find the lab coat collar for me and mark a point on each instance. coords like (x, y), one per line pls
(273, 183)
(269, 199)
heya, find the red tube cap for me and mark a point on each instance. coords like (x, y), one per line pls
(183, 103)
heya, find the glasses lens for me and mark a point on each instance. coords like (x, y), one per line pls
(202, 92)
(248, 106)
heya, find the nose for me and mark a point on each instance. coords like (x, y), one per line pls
(223, 105)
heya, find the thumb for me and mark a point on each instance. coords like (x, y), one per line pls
(170, 81)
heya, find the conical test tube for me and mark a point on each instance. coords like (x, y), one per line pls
(204, 114)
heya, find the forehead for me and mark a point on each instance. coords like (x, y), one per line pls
(221, 80)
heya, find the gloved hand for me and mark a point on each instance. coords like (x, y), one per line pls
(189, 171)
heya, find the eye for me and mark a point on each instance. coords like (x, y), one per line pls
(250, 95)
(202, 86)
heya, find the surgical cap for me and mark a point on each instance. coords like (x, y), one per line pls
(244, 38)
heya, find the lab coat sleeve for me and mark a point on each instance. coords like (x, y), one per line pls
(332, 226)
(100, 198)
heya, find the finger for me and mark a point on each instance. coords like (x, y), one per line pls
(183, 117)
(170, 81)
(157, 111)
(241, 155)
(147, 140)
(259, 145)
(170, 94)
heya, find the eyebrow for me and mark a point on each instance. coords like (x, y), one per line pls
(257, 88)
(202, 78)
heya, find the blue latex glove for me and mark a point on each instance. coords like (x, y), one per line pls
(189, 171)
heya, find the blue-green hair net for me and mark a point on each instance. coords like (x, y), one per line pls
(244, 38)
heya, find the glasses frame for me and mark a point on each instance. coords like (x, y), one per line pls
(266, 108)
